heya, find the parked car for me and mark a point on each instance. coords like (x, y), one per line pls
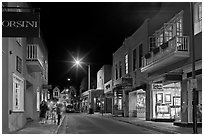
(70, 109)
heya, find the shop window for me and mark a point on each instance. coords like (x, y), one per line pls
(18, 94)
(167, 101)
(197, 18)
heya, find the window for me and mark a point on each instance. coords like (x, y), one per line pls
(197, 18)
(126, 64)
(134, 59)
(120, 69)
(56, 94)
(140, 55)
(18, 64)
(38, 101)
(18, 93)
(116, 71)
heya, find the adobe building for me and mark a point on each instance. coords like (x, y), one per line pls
(168, 62)
(24, 73)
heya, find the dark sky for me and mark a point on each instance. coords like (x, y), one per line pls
(93, 30)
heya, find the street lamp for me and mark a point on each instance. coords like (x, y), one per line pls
(78, 63)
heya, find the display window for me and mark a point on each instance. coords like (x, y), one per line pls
(18, 94)
(167, 101)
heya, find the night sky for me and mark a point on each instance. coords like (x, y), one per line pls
(89, 30)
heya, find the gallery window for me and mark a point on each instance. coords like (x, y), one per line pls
(120, 69)
(18, 94)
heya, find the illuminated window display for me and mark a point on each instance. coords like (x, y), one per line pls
(167, 101)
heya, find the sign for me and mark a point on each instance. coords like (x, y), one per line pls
(193, 83)
(20, 24)
(127, 81)
(157, 87)
(108, 87)
(47, 86)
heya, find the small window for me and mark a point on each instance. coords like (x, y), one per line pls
(140, 55)
(134, 59)
(126, 64)
(120, 69)
(19, 64)
(116, 71)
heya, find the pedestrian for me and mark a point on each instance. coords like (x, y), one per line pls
(58, 114)
(43, 110)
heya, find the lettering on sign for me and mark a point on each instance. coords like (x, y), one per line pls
(20, 24)
(157, 87)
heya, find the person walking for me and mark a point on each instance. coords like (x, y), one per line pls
(58, 114)
(43, 110)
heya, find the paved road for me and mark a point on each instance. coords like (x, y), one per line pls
(77, 123)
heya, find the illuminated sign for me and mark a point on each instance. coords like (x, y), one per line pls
(20, 24)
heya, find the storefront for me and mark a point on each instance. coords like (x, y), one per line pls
(166, 98)
(117, 101)
(137, 103)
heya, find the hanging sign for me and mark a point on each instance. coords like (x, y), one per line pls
(157, 87)
(20, 24)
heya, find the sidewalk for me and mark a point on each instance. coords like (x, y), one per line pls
(163, 127)
(35, 127)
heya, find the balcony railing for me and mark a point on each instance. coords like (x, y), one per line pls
(34, 54)
(177, 47)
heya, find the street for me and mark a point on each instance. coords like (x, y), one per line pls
(79, 123)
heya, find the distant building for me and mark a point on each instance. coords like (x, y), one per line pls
(56, 92)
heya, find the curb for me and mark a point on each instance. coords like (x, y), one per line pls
(149, 127)
(57, 129)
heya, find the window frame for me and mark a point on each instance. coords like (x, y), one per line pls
(18, 94)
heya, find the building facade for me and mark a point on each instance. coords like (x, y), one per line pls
(24, 74)
(104, 84)
(158, 60)
(168, 62)
(122, 80)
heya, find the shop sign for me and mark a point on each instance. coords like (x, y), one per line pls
(108, 86)
(20, 24)
(47, 86)
(127, 81)
(157, 87)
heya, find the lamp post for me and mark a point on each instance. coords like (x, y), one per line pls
(78, 63)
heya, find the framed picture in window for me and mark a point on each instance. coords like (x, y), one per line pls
(167, 97)
(159, 97)
(177, 101)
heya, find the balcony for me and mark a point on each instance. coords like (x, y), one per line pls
(176, 49)
(34, 58)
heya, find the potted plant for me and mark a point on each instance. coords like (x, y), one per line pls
(156, 50)
(148, 55)
(164, 45)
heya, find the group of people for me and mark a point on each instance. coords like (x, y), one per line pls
(50, 111)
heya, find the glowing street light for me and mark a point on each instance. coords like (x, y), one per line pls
(78, 63)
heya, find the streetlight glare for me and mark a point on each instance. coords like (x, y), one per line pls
(77, 62)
